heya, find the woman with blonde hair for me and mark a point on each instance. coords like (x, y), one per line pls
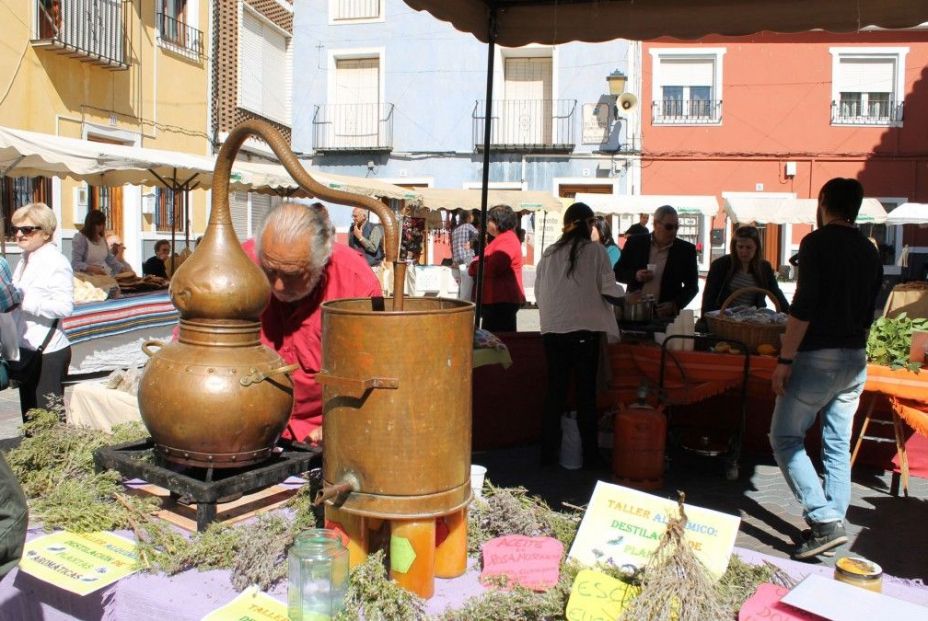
(45, 278)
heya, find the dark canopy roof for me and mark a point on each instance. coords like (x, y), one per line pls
(558, 21)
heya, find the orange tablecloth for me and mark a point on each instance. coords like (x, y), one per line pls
(706, 374)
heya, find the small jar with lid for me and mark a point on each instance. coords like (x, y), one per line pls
(859, 572)
(318, 575)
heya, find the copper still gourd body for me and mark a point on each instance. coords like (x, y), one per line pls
(397, 405)
(217, 397)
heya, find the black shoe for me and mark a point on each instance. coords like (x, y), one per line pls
(823, 537)
(805, 535)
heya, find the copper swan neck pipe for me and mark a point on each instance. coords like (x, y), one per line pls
(221, 215)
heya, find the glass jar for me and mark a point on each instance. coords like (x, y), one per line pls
(859, 572)
(318, 575)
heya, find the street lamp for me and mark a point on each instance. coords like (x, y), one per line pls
(616, 81)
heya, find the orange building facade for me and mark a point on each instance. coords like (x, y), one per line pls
(778, 115)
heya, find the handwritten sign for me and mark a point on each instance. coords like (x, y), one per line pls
(765, 605)
(251, 605)
(595, 596)
(533, 562)
(623, 526)
(80, 563)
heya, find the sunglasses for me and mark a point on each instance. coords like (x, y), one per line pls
(26, 230)
(668, 226)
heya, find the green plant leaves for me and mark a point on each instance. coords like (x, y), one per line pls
(891, 339)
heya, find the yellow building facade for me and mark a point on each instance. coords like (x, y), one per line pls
(131, 72)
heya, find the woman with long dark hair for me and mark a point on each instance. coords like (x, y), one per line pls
(602, 233)
(574, 285)
(743, 267)
(89, 251)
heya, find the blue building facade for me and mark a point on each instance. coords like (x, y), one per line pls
(385, 91)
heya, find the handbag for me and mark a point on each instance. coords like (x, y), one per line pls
(30, 362)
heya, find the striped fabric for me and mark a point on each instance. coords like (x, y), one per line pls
(101, 319)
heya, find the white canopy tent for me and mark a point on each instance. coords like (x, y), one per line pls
(519, 200)
(908, 213)
(745, 210)
(613, 204)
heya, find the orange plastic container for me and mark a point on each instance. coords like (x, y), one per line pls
(412, 555)
(451, 552)
(353, 532)
(639, 440)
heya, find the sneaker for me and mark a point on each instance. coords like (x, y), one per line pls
(823, 537)
(805, 535)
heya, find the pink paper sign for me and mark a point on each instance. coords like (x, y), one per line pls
(765, 605)
(533, 562)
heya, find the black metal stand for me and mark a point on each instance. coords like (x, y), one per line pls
(205, 486)
(733, 454)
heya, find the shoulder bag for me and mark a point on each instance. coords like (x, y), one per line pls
(30, 362)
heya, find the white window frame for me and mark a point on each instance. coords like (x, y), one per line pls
(354, 54)
(288, 122)
(334, 21)
(896, 54)
(712, 54)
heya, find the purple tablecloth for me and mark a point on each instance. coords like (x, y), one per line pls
(193, 594)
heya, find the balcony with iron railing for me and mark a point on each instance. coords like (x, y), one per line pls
(686, 112)
(92, 30)
(353, 127)
(176, 35)
(526, 124)
(854, 112)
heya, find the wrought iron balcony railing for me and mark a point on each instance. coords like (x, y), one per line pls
(353, 127)
(94, 30)
(686, 111)
(526, 124)
(880, 112)
(178, 35)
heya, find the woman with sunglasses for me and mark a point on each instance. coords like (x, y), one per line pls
(45, 278)
(574, 287)
(89, 251)
(743, 267)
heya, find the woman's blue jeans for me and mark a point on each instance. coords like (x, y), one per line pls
(829, 381)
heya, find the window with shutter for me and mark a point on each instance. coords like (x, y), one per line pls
(687, 86)
(867, 86)
(264, 68)
(260, 207)
(341, 11)
(238, 206)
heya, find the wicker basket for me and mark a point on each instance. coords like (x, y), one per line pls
(751, 334)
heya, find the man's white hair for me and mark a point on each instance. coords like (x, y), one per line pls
(293, 223)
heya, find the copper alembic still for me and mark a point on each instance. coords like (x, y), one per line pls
(396, 377)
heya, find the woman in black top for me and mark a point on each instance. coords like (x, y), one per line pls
(743, 267)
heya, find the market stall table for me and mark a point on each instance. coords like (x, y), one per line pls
(193, 594)
(97, 320)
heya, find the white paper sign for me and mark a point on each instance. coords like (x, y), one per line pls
(843, 602)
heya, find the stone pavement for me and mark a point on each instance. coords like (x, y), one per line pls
(893, 531)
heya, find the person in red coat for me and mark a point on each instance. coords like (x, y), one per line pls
(296, 249)
(503, 293)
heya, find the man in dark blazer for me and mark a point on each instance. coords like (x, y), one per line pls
(674, 281)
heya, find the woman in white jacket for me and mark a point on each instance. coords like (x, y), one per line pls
(574, 286)
(45, 278)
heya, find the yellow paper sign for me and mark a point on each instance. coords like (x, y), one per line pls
(79, 562)
(598, 597)
(250, 605)
(623, 526)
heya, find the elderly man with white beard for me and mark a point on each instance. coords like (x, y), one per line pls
(296, 249)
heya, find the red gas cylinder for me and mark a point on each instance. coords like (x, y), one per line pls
(640, 435)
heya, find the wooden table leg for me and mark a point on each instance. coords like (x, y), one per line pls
(863, 429)
(901, 453)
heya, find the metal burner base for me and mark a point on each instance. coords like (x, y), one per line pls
(205, 486)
